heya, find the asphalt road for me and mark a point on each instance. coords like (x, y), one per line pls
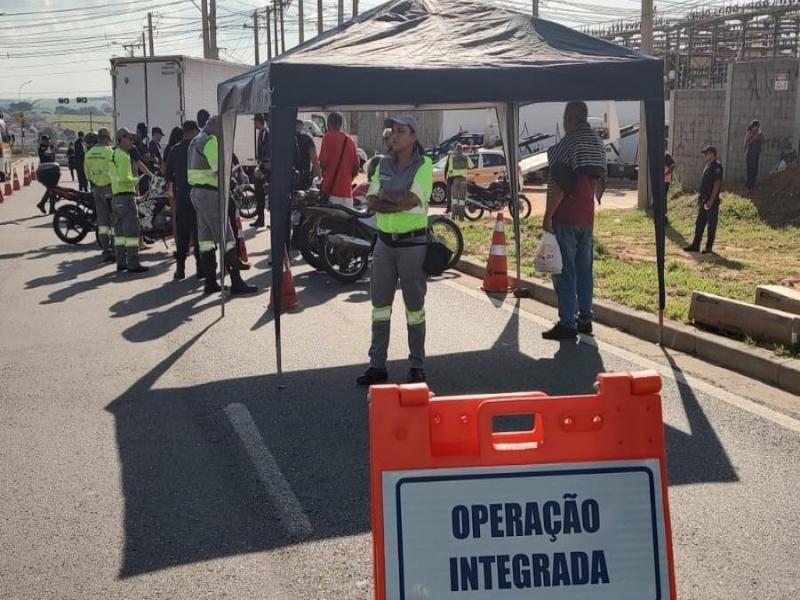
(149, 451)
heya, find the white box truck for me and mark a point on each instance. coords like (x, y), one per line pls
(164, 91)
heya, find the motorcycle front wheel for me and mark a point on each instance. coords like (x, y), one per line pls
(524, 206)
(473, 212)
(247, 205)
(344, 264)
(308, 244)
(449, 233)
(70, 224)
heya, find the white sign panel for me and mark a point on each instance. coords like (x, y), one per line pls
(781, 82)
(550, 532)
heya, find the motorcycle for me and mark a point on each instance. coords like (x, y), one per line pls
(154, 211)
(497, 196)
(345, 239)
(73, 222)
(243, 193)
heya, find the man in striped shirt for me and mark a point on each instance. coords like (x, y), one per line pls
(577, 175)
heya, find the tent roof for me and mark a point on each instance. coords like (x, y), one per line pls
(435, 54)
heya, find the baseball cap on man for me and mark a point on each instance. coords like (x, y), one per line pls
(104, 132)
(123, 132)
(402, 119)
(708, 148)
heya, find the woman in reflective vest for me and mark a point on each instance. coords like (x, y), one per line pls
(455, 173)
(399, 191)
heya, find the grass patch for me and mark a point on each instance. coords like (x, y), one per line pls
(751, 251)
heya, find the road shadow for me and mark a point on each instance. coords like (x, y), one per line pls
(313, 288)
(192, 495)
(20, 220)
(68, 270)
(696, 457)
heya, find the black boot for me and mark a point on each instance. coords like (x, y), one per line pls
(180, 268)
(209, 261)
(238, 286)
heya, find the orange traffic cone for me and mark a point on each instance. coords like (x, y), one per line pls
(26, 176)
(496, 277)
(1, 197)
(289, 297)
(7, 191)
(16, 181)
(240, 244)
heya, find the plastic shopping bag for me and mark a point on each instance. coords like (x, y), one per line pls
(547, 258)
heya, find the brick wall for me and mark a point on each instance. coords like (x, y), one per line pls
(697, 118)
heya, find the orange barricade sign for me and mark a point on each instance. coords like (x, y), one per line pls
(573, 508)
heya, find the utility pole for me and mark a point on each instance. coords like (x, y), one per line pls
(283, 33)
(644, 165)
(535, 8)
(341, 12)
(269, 38)
(144, 48)
(275, 23)
(206, 39)
(150, 32)
(355, 8)
(254, 27)
(300, 33)
(212, 28)
(320, 24)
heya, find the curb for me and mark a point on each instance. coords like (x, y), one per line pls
(757, 363)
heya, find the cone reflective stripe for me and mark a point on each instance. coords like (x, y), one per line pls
(26, 178)
(496, 277)
(289, 297)
(16, 181)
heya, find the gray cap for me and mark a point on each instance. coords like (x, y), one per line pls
(104, 132)
(212, 126)
(123, 131)
(707, 149)
(402, 119)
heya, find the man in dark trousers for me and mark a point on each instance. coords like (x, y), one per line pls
(154, 147)
(185, 215)
(80, 156)
(47, 154)
(707, 202)
(262, 170)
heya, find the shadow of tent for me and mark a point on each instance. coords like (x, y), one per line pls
(187, 501)
(314, 288)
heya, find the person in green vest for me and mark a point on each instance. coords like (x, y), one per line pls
(98, 171)
(203, 177)
(455, 172)
(399, 191)
(123, 205)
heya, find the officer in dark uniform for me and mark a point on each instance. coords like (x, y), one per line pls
(261, 173)
(707, 202)
(185, 215)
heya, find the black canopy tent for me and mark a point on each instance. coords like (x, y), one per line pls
(433, 55)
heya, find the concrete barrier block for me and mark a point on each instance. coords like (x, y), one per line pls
(754, 362)
(789, 376)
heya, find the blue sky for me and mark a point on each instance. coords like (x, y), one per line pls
(63, 46)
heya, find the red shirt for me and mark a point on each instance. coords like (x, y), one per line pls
(577, 208)
(337, 145)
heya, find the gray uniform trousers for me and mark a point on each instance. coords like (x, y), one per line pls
(388, 264)
(206, 204)
(126, 230)
(102, 206)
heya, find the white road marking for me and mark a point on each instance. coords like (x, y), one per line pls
(697, 384)
(289, 510)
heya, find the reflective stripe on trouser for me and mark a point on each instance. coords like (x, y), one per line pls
(206, 205)
(388, 265)
(458, 192)
(102, 206)
(126, 230)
